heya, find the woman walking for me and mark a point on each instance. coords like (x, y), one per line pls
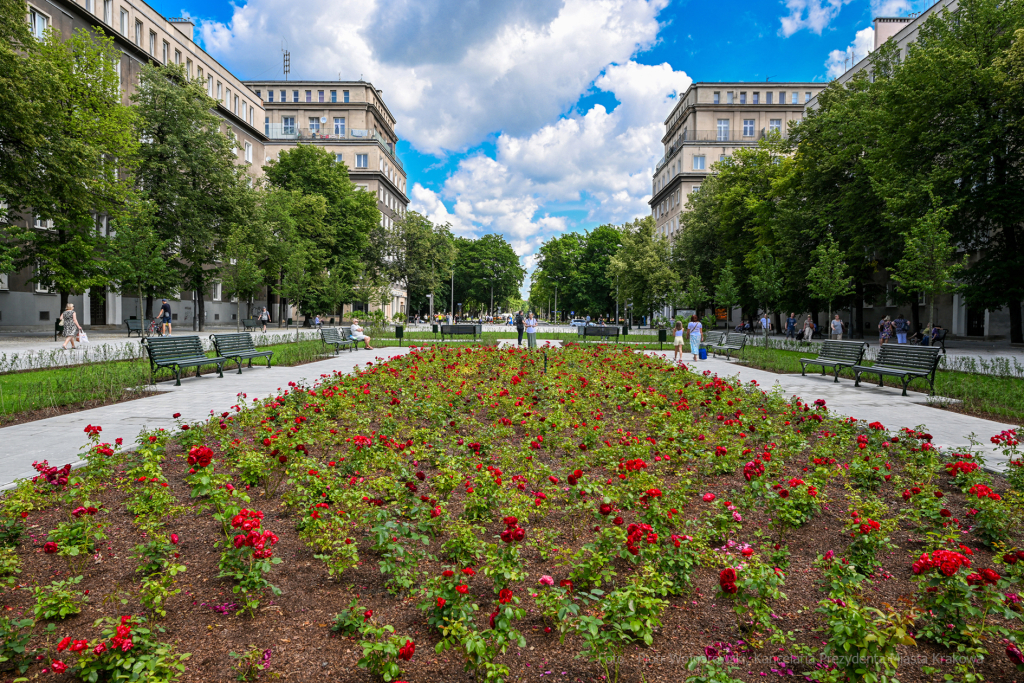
(884, 331)
(696, 332)
(71, 327)
(357, 334)
(264, 319)
(677, 343)
(807, 333)
(531, 331)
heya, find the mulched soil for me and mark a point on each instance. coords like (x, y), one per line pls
(295, 626)
(43, 413)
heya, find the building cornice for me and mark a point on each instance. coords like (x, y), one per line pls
(674, 182)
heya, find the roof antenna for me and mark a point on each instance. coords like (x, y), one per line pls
(287, 60)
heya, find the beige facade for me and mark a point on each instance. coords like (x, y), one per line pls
(347, 118)
(709, 122)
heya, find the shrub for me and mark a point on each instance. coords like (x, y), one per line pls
(59, 600)
(128, 651)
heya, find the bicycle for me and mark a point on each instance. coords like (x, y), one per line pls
(156, 329)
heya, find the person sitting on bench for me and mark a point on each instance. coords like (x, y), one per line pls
(357, 334)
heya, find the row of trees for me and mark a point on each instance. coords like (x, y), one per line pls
(899, 174)
(147, 198)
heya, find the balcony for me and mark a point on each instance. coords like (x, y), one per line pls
(326, 133)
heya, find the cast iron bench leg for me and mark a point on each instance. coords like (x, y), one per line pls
(835, 373)
(856, 381)
(906, 381)
(177, 375)
(220, 370)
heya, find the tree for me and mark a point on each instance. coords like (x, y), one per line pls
(187, 169)
(473, 283)
(927, 265)
(952, 113)
(827, 278)
(765, 282)
(351, 214)
(727, 291)
(135, 258)
(74, 165)
(642, 266)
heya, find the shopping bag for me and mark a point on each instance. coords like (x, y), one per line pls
(703, 354)
(83, 338)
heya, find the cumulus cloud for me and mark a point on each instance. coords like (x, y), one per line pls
(452, 72)
(813, 15)
(839, 61)
(890, 8)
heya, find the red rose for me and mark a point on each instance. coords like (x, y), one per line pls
(49, 547)
(406, 652)
(59, 667)
(63, 644)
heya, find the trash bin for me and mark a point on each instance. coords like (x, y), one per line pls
(662, 336)
(399, 333)
(625, 330)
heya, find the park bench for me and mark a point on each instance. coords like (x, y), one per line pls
(250, 324)
(472, 330)
(603, 331)
(338, 337)
(714, 338)
(134, 325)
(903, 361)
(728, 344)
(240, 347)
(835, 354)
(178, 353)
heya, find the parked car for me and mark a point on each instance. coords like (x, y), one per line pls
(578, 322)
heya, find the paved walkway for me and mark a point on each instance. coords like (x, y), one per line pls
(60, 439)
(871, 402)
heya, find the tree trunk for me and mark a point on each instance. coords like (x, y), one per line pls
(149, 306)
(145, 327)
(915, 315)
(201, 304)
(1016, 332)
(857, 315)
(63, 303)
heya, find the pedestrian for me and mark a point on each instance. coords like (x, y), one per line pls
(531, 331)
(165, 316)
(925, 336)
(766, 323)
(791, 326)
(677, 343)
(357, 334)
(696, 332)
(807, 333)
(71, 327)
(520, 324)
(316, 321)
(900, 327)
(264, 319)
(884, 331)
(837, 328)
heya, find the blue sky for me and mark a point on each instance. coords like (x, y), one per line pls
(533, 117)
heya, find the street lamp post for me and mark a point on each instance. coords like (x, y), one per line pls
(430, 297)
(453, 294)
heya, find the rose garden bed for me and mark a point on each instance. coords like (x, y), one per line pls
(462, 514)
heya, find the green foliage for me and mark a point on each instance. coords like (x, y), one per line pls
(10, 564)
(15, 635)
(148, 660)
(59, 600)
(827, 278)
(381, 651)
(642, 266)
(252, 664)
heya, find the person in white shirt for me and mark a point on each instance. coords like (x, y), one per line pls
(678, 343)
(696, 332)
(531, 331)
(357, 334)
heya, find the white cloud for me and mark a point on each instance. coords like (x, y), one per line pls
(890, 8)
(839, 61)
(813, 15)
(453, 71)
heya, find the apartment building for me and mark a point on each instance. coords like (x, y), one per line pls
(142, 35)
(351, 121)
(709, 122)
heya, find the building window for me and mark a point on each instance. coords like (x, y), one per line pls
(344, 95)
(698, 163)
(108, 12)
(288, 125)
(339, 126)
(309, 95)
(266, 126)
(757, 98)
(37, 22)
(4, 284)
(259, 94)
(721, 157)
(166, 50)
(270, 95)
(117, 70)
(220, 91)
(217, 291)
(768, 97)
(177, 56)
(90, 7)
(320, 95)
(694, 188)
(362, 161)
(728, 97)
(295, 95)
(743, 98)
(718, 97)
(209, 86)
(775, 125)
(284, 96)
(124, 23)
(748, 128)
(723, 129)
(152, 44)
(248, 152)
(188, 67)
(138, 33)
(334, 96)
(235, 108)
(796, 98)
(807, 97)
(338, 158)
(314, 124)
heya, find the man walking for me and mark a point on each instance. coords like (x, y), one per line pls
(165, 316)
